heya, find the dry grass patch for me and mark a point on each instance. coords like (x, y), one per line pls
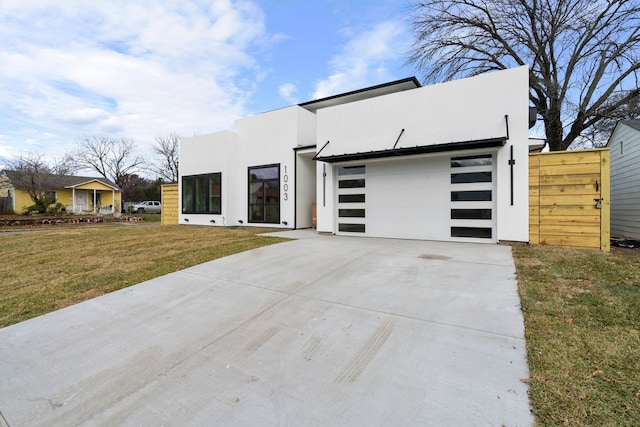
(46, 270)
(582, 321)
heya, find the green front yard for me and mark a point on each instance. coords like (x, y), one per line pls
(582, 323)
(57, 266)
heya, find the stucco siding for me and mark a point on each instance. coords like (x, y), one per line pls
(411, 196)
(265, 139)
(625, 182)
(457, 111)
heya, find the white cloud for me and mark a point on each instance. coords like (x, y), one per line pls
(138, 69)
(84, 116)
(287, 91)
(365, 59)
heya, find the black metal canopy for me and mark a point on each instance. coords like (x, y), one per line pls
(420, 149)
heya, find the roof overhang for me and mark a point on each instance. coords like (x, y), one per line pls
(632, 123)
(420, 149)
(304, 147)
(536, 145)
(366, 93)
(79, 184)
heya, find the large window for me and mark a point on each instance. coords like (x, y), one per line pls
(264, 194)
(201, 194)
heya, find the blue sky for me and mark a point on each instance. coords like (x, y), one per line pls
(138, 69)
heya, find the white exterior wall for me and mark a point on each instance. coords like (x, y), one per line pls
(625, 182)
(210, 153)
(462, 110)
(269, 138)
(264, 139)
(408, 197)
(306, 187)
(305, 192)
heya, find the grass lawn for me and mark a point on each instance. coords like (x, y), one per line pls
(582, 325)
(42, 271)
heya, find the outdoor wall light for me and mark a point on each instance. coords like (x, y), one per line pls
(213, 221)
(240, 221)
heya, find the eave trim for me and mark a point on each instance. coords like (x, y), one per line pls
(420, 149)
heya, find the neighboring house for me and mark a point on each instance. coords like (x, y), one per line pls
(442, 162)
(624, 145)
(77, 193)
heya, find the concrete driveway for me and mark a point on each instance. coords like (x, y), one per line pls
(320, 331)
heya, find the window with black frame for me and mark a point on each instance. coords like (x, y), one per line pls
(201, 194)
(264, 194)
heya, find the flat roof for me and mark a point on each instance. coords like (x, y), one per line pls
(360, 94)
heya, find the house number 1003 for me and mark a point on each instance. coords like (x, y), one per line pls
(285, 186)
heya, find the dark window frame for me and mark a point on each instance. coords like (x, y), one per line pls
(472, 232)
(352, 183)
(351, 213)
(472, 213)
(472, 196)
(471, 177)
(351, 228)
(351, 170)
(264, 204)
(479, 160)
(193, 209)
(352, 198)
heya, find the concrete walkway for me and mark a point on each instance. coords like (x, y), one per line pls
(320, 331)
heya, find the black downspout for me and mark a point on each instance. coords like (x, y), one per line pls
(324, 185)
(511, 163)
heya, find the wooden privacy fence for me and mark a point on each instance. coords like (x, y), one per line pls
(569, 198)
(169, 215)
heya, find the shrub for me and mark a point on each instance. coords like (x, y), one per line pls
(56, 209)
(35, 208)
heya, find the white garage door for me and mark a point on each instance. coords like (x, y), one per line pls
(433, 198)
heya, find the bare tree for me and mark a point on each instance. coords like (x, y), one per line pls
(113, 158)
(579, 53)
(598, 135)
(35, 176)
(167, 149)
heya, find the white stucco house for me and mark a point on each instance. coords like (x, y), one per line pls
(444, 162)
(624, 145)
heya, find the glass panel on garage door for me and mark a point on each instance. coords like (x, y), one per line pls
(351, 199)
(473, 197)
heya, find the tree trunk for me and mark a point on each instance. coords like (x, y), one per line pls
(553, 129)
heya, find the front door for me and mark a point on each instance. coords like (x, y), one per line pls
(81, 201)
(264, 194)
